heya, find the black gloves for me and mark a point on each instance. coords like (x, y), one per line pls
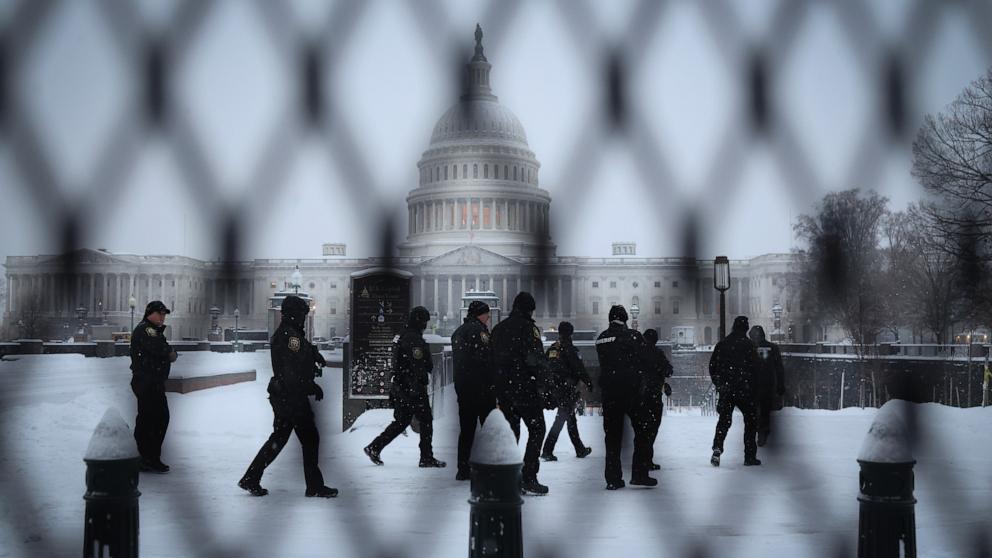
(173, 355)
(318, 393)
(668, 390)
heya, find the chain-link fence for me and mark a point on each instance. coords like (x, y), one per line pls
(152, 110)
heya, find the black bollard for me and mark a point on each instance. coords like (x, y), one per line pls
(887, 518)
(111, 528)
(495, 522)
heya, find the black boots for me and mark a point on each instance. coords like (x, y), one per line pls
(252, 487)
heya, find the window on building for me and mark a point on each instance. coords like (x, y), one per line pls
(475, 171)
(514, 173)
(312, 284)
(485, 171)
(173, 282)
(272, 284)
(613, 284)
(595, 307)
(657, 284)
(657, 307)
(595, 284)
(445, 172)
(454, 171)
(495, 171)
(464, 171)
(675, 284)
(506, 172)
(334, 285)
(334, 311)
(675, 306)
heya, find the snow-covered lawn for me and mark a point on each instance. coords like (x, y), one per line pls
(802, 502)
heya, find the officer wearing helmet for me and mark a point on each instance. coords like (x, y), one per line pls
(622, 361)
(295, 364)
(412, 366)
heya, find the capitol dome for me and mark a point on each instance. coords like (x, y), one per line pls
(478, 179)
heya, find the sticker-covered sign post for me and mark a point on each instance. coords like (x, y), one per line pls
(380, 303)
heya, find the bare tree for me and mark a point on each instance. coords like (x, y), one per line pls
(840, 268)
(30, 316)
(952, 158)
(924, 276)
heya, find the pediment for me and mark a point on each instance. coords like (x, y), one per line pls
(85, 256)
(470, 256)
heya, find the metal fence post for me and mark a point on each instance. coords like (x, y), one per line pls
(495, 527)
(111, 521)
(887, 518)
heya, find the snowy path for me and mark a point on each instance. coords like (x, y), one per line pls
(800, 503)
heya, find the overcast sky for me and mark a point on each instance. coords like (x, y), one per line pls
(393, 84)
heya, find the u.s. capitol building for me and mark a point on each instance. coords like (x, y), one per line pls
(478, 220)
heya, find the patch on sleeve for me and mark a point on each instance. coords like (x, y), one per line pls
(484, 336)
(605, 340)
(396, 339)
(418, 353)
(294, 344)
(151, 331)
(537, 333)
(552, 354)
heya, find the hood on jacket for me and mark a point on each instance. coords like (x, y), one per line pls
(295, 310)
(740, 325)
(524, 302)
(757, 334)
(419, 317)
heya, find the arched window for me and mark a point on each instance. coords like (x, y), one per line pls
(454, 171)
(445, 172)
(506, 172)
(464, 171)
(485, 170)
(514, 172)
(496, 171)
(475, 170)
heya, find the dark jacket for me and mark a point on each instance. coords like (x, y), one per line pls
(521, 366)
(567, 370)
(294, 363)
(622, 360)
(150, 351)
(412, 365)
(770, 374)
(472, 352)
(659, 369)
(733, 364)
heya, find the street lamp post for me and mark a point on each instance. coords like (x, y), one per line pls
(721, 282)
(635, 311)
(237, 316)
(81, 314)
(131, 302)
(99, 310)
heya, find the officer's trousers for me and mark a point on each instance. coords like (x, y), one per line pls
(471, 414)
(725, 407)
(651, 410)
(533, 418)
(153, 418)
(403, 414)
(289, 417)
(614, 410)
(566, 415)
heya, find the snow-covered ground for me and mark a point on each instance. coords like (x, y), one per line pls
(802, 502)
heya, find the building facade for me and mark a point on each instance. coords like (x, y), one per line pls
(477, 220)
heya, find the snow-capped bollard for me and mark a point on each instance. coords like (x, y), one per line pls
(494, 523)
(887, 520)
(111, 490)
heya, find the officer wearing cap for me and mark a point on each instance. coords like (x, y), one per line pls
(655, 386)
(412, 366)
(567, 370)
(295, 364)
(622, 361)
(151, 361)
(733, 366)
(473, 361)
(521, 367)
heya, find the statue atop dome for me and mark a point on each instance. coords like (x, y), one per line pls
(478, 43)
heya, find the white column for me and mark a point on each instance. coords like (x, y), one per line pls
(560, 313)
(448, 309)
(437, 304)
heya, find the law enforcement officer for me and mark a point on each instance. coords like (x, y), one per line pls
(622, 361)
(412, 366)
(473, 361)
(521, 367)
(567, 370)
(732, 368)
(655, 387)
(769, 382)
(295, 363)
(151, 361)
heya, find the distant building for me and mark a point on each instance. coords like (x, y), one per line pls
(477, 220)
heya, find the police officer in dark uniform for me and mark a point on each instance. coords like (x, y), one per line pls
(295, 364)
(769, 383)
(567, 370)
(521, 369)
(655, 387)
(732, 368)
(151, 361)
(412, 365)
(622, 361)
(473, 361)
